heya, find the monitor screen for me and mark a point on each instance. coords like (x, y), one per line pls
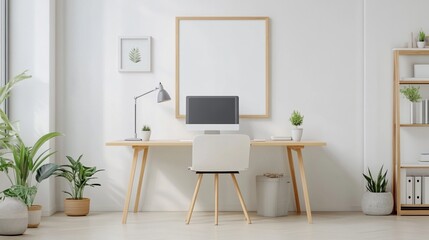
(212, 112)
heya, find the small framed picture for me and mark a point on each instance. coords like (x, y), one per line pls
(135, 54)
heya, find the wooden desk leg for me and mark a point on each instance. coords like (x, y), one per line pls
(304, 185)
(292, 175)
(216, 182)
(139, 188)
(130, 186)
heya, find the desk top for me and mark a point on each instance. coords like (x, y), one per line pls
(172, 143)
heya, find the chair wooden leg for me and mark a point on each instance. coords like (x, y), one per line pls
(216, 183)
(240, 197)
(191, 207)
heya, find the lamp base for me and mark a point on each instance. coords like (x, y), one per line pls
(133, 139)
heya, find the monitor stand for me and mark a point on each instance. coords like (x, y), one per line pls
(212, 132)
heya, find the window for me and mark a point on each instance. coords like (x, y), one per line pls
(4, 45)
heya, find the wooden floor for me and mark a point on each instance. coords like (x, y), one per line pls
(171, 225)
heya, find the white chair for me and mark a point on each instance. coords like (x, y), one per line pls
(219, 154)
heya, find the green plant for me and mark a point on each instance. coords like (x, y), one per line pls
(25, 161)
(146, 128)
(22, 193)
(296, 119)
(7, 131)
(411, 93)
(422, 36)
(134, 55)
(376, 185)
(78, 176)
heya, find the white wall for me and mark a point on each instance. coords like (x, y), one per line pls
(316, 67)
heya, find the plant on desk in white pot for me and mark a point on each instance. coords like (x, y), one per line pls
(78, 177)
(413, 95)
(421, 40)
(296, 119)
(146, 133)
(376, 201)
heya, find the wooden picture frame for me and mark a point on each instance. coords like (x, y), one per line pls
(135, 54)
(224, 56)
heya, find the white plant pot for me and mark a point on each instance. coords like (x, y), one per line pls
(377, 204)
(421, 44)
(146, 135)
(34, 216)
(297, 134)
(13, 217)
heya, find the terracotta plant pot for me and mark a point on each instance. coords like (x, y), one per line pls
(34, 216)
(76, 207)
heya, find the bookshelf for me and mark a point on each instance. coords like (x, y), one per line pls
(402, 169)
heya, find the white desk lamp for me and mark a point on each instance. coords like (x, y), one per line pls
(162, 97)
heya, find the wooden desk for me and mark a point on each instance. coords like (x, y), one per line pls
(144, 146)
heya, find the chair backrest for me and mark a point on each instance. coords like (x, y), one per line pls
(221, 152)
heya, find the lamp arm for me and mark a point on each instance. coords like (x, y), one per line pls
(139, 96)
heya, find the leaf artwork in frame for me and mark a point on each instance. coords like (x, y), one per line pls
(134, 55)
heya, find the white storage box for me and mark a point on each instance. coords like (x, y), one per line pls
(421, 70)
(273, 195)
(424, 157)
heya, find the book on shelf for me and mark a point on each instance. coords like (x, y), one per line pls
(417, 190)
(409, 189)
(425, 190)
(281, 138)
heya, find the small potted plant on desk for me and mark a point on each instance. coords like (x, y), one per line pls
(296, 119)
(413, 95)
(421, 41)
(146, 133)
(78, 177)
(376, 201)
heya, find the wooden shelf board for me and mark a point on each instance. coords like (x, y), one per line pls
(415, 205)
(415, 165)
(413, 125)
(414, 81)
(412, 51)
(416, 212)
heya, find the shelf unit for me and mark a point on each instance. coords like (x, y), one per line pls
(405, 209)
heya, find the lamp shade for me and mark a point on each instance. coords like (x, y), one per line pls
(162, 94)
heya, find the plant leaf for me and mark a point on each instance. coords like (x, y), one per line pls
(46, 171)
(134, 55)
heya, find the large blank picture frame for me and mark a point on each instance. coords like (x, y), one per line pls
(223, 56)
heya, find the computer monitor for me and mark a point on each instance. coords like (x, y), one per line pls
(212, 114)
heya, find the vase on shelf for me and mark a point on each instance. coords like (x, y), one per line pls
(414, 109)
(420, 44)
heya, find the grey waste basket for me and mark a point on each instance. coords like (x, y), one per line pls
(273, 195)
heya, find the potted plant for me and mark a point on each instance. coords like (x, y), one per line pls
(376, 201)
(78, 177)
(13, 210)
(25, 162)
(296, 119)
(413, 95)
(146, 133)
(421, 39)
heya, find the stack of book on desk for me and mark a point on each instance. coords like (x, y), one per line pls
(280, 138)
